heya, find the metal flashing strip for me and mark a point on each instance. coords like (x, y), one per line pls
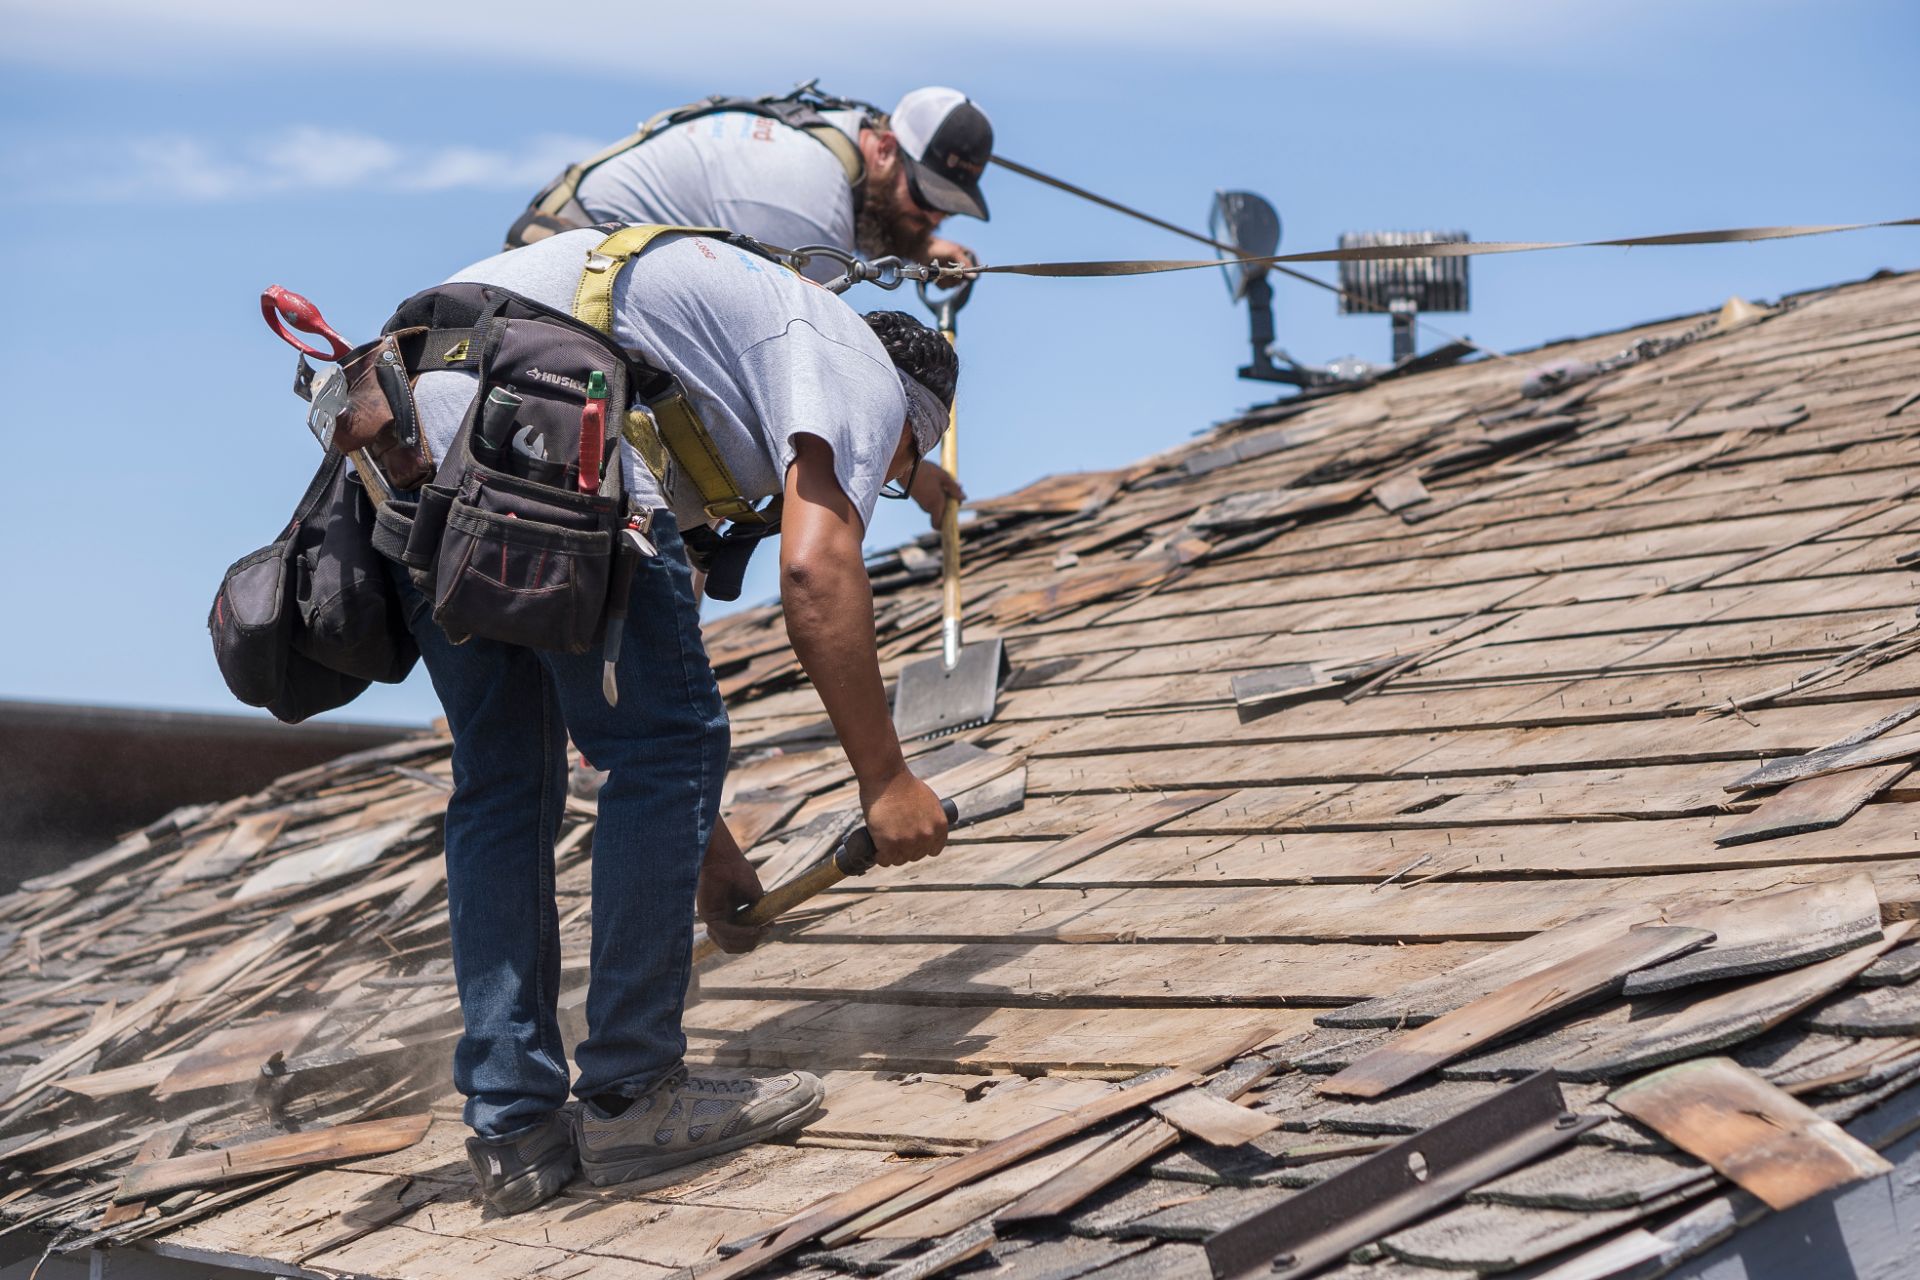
(1321, 1225)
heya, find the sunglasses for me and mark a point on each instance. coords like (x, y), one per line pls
(902, 488)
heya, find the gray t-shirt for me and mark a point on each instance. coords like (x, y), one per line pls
(736, 170)
(764, 356)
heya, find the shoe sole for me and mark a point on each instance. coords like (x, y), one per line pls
(607, 1173)
(531, 1189)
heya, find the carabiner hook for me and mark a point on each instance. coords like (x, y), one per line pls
(800, 259)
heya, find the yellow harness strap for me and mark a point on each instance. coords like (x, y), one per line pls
(562, 193)
(593, 298)
(666, 430)
(844, 149)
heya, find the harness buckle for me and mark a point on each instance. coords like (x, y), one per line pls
(729, 509)
(597, 261)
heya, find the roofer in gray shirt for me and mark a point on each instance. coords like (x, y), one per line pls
(803, 398)
(801, 169)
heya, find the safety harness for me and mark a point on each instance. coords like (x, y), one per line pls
(667, 433)
(664, 429)
(557, 208)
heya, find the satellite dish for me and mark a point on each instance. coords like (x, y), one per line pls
(1246, 220)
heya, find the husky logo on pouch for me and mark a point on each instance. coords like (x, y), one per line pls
(557, 379)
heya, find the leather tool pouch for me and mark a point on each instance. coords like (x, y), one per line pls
(380, 416)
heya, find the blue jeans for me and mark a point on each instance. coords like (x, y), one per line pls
(665, 749)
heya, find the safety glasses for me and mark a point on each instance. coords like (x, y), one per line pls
(902, 488)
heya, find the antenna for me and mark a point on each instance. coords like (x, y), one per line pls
(1402, 287)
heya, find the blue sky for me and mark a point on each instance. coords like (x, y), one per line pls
(163, 163)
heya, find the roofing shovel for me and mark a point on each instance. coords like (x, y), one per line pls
(956, 690)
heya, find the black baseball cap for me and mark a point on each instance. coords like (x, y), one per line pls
(945, 142)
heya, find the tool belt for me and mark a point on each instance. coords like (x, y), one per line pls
(507, 541)
(557, 208)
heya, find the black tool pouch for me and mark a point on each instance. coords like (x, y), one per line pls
(348, 617)
(504, 542)
(525, 563)
(251, 621)
(304, 624)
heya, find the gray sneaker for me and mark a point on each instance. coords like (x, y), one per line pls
(689, 1117)
(527, 1168)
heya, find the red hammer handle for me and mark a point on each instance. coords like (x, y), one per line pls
(281, 306)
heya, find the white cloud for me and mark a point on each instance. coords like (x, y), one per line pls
(186, 166)
(308, 156)
(304, 158)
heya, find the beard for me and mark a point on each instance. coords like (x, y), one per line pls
(883, 226)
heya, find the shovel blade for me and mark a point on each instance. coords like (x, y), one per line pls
(931, 699)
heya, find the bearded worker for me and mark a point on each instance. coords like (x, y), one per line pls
(796, 170)
(800, 169)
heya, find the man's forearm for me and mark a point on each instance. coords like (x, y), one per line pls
(828, 604)
(829, 611)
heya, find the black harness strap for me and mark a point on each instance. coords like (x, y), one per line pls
(723, 557)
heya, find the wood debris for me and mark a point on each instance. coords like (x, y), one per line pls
(1767, 1142)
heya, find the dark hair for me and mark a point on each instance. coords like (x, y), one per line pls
(917, 351)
